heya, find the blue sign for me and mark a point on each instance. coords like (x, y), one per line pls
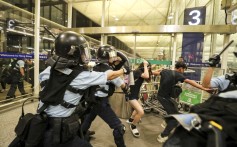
(21, 56)
(192, 46)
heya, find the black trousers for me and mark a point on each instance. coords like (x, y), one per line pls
(104, 111)
(76, 142)
(16, 82)
(170, 108)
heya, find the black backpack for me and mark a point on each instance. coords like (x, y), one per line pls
(30, 129)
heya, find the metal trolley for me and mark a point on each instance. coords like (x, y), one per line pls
(148, 98)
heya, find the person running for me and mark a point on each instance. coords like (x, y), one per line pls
(143, 72)
(169, 78)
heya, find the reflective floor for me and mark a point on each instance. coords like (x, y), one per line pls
(149, 128)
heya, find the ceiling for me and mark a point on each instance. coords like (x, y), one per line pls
(148, 13)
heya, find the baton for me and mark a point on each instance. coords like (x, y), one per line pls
(130, 76)
(226, 47)
(49, 32)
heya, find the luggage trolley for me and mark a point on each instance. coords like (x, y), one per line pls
(148, 98)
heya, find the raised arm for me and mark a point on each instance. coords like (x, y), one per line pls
(145, 74)
(195, 84)
(207, 77)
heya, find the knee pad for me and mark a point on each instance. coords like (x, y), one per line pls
(119, 130)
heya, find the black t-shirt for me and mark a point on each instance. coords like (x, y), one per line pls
(138, 80)
(168, 79)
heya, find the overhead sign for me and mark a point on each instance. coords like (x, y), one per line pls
(11, 24)
(192, 45)
(23, 56)
(159, 62)
(195, 16)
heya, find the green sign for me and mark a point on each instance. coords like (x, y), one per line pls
(163, 62)
(190, 97)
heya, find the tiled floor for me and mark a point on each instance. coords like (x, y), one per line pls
(149, 129)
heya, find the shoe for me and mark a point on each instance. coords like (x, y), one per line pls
(161, 139)
(2, 90)
(24, 93)
(163, 124)
(129, 122)
(134, 131)
(9, 97)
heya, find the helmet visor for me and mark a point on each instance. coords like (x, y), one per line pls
(85, 53)
(112, 56)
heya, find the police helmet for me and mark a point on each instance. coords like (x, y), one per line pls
(105, 52)
(72, 46)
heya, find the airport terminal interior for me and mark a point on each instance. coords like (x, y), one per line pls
(157, 31)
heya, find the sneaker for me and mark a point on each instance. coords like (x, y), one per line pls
(163, 124)
(129, 122)
(2, 90)
(134, 131)
(10, 97)
(161, 139)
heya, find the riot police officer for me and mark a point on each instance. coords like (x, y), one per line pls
(71, 53)
(17, 78)
(107, 55)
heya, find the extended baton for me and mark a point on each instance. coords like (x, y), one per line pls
(226, 47)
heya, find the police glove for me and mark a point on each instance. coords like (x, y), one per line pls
(214, 60)
(126, 69)
(126, 89)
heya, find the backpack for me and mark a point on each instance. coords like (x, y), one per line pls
(8, 71)
(30, 129)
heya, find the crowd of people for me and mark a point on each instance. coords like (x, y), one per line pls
(72, 91)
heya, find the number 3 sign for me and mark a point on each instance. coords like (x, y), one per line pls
(195, 16)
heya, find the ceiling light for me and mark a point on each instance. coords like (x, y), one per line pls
(170, 17)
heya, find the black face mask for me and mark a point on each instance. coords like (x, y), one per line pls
(61, 63)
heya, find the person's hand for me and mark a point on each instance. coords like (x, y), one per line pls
(126, 69)
(145, 62)
(208, 90)
(214, 60)
(118, 59)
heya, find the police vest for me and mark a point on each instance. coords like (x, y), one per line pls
(102, 68)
